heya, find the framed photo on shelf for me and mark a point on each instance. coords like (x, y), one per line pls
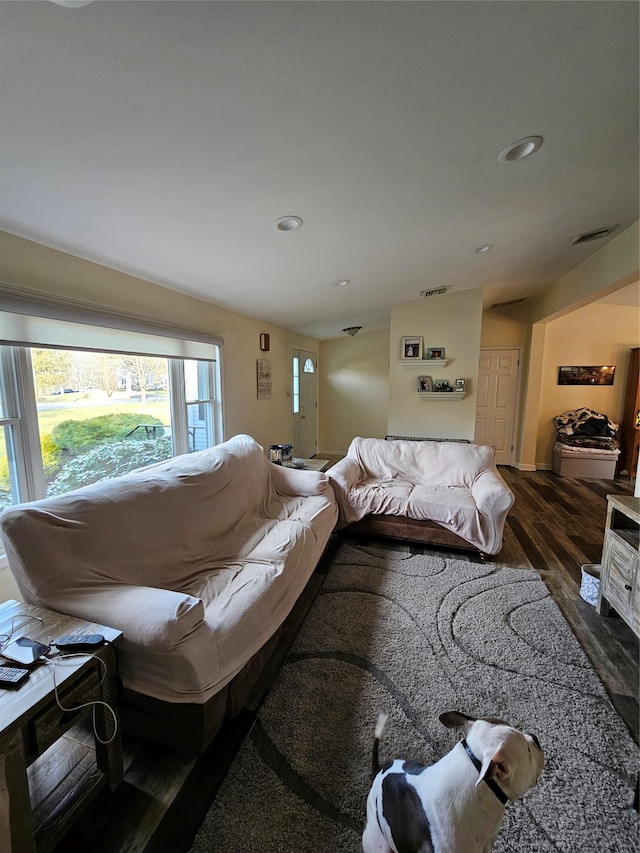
(425, 383)
(435, 352)
(411, 349)
(460, 384)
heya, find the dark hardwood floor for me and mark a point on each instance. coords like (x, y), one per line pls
(555, 526)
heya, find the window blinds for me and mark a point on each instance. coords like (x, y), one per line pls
(27, 320)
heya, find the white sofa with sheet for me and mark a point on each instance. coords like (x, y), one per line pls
(198, 560)
(443, 492)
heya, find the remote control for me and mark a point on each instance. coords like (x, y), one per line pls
(79, 642)
(12, 676)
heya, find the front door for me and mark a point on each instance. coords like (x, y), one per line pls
(304, 396)
(496, 406)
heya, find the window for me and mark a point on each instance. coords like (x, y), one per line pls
(295, 394)
(73, 417)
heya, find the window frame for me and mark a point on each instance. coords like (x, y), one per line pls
(20, 414)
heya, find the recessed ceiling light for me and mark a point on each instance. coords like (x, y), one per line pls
(520, 149)
(343, 282)
(480, 250)
(288, 223)
(71, 4)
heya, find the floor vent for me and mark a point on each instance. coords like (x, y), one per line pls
(509, 302)
(433, 292)
(588, 236)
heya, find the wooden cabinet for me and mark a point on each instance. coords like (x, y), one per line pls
(629, 428)
(619, 576)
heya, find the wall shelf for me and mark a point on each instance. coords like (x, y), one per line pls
(424, 362)
(440, 395)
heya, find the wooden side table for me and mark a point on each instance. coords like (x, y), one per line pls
(31, 722)
(620, 573)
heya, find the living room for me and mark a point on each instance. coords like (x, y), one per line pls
(130, 198)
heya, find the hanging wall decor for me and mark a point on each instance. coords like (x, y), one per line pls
(264, 378)
(589, 375)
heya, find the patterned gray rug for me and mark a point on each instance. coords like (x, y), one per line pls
(415, 636)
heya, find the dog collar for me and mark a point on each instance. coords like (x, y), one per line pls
(497, 790)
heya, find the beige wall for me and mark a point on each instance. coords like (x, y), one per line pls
(597, 334)
(353, 396)
(452, 321)
(613, 267)
(37, 268)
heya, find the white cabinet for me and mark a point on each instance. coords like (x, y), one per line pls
(619, 577)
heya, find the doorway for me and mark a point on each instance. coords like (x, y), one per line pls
(498, 376)
(304, 403)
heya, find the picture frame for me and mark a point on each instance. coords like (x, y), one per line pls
(435, 352)
(425, 383)
(586, 375)
(411, 349)
(460, 384)
(265, 342)
(263, 378)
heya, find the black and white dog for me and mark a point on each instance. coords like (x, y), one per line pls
(444, 808)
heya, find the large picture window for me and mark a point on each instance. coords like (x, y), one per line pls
(73, 417)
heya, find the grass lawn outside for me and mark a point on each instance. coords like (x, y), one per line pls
(85, 405)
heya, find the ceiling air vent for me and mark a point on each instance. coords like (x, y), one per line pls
(509, 302)
(588, 236)
(433, 292)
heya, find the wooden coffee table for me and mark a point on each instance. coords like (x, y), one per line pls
(31, 721)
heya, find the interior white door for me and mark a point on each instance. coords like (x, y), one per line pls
(305, 393)
(496, 405)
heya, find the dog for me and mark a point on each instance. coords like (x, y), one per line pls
(457, 804)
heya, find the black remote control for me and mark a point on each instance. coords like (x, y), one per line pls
(12, 676)
(79, 642)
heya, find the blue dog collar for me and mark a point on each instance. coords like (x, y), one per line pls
(497, 790)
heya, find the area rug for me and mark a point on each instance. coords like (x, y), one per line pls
(415, 636)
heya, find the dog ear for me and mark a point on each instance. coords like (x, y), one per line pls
(495, 767)
(455, 719)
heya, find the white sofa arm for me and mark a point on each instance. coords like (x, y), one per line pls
(345, 474)
(296, 481)
(492, 495)
(155, 618)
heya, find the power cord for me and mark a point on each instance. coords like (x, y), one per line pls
(5, 639)
(55, 662)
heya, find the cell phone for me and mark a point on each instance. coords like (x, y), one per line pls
(24, 651)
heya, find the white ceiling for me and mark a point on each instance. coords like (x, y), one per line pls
(163, 139)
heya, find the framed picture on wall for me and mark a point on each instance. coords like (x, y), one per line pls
(600, 374)
(411, 349)
(425, 383)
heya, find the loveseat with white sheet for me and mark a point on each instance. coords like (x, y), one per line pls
(198, 560)
(442, 492)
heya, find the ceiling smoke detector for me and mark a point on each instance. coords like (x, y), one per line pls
(588, 236)
(352, 330)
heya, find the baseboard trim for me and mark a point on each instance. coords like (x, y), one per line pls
(523, 466)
